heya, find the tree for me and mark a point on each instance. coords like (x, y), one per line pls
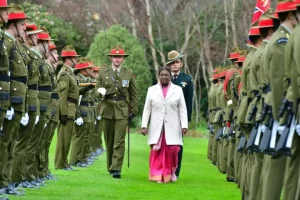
(63, 32)
(106, 40)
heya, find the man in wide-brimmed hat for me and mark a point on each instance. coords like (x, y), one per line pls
(15, 99)
(120, 101)
(185, 82)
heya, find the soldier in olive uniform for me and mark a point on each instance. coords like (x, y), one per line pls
(246, 97)
(68, 91)
(267, 25)
(27, 125)
(185, 82)
(272, 176)
(14, 29)
(54, 120)
(44, 95)
(83, 121)
(117, 86)
(292, 70)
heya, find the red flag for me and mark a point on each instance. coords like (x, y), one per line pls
(261, 7)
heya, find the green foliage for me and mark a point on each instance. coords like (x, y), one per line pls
(63, 32)
(106, 40)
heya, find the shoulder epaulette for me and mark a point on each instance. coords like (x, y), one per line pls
(282, 40)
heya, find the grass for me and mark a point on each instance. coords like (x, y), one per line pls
(199, 180)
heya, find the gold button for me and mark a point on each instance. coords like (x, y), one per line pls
(15, 89)
(19, 61)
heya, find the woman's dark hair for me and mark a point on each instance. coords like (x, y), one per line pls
(167, 68)
(283, 15)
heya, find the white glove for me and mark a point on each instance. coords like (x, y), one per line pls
(280, 129)
(79, 121)
(298, 129)
(25, 119)
(102, 91)
(98, 118)
(10, 113)
(263, 128)
(37, 119)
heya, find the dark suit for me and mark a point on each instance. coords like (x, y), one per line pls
(185, 82)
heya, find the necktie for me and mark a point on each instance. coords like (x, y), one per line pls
(116, 73)
(175, 77)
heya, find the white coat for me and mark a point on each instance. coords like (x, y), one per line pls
(170, 111)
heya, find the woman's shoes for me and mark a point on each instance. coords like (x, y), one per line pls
(159, 182)
(173, 177)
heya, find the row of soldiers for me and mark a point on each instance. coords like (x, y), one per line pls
(254, 109)
(35, 101)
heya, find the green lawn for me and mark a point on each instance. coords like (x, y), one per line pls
(198, 180)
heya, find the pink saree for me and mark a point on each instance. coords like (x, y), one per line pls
(163, 158)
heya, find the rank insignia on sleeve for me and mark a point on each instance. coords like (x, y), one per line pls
(282, 41)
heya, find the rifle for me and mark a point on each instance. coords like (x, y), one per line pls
(251, 140)
(252, 112)
(220, 133)
(86, 84)
(241, 145)
(231, 132)
(284, 144)
(264, 145)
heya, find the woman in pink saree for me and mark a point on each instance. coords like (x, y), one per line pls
(165, 108)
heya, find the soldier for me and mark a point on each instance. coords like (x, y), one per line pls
(44, 95)
(68, 92)
(27, 126)
(54, 120)
(83, 121)
(246, 97)
(118, 88)
(14, 29)
(185, 82)
(268, 24)
(231, 105)
(98, 125)
(272, 176)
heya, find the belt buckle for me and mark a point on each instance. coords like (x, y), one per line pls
(114, 98)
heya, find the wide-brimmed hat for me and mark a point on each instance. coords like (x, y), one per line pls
(173, 56)
(83, 63)
(52, 45)
(44, 36)
(286, 6)
(96, 69)
(297, 2)
(15, 12)
(234, 54)
(3, 4)
(69, 51)
(242, 57)
(266, 20)
(117, 51)
(31, 28)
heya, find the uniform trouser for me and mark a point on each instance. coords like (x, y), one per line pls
(291, 184)
(215, 144)
(87, 144)
(219, 159)
(32, 159)
(2, 117)
(210, 146)
(224, 154)
(230, 159)
(98, 131)
(49, 133)
(180, 153)
(237, 163)
(114, 136)
(255, 175)
(94, 137)
(7, 140)
(272, 178)
(78, 142)
(64, 138)
(20, 148)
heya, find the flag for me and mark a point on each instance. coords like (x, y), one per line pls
(261, 7)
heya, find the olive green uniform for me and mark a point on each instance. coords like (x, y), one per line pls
(255, 82)
(68, 91)
(18, 90)
(33, 103)
(36, 144)
(210, 120)
(216, 126)
(272, 177)
(78, 141)
(121, 95)
(292, 70)
(51, 127)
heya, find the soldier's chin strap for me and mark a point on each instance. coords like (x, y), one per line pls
(15, 24)
(32, 40)
(72, 61)
(53, 57)
(44, 49)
